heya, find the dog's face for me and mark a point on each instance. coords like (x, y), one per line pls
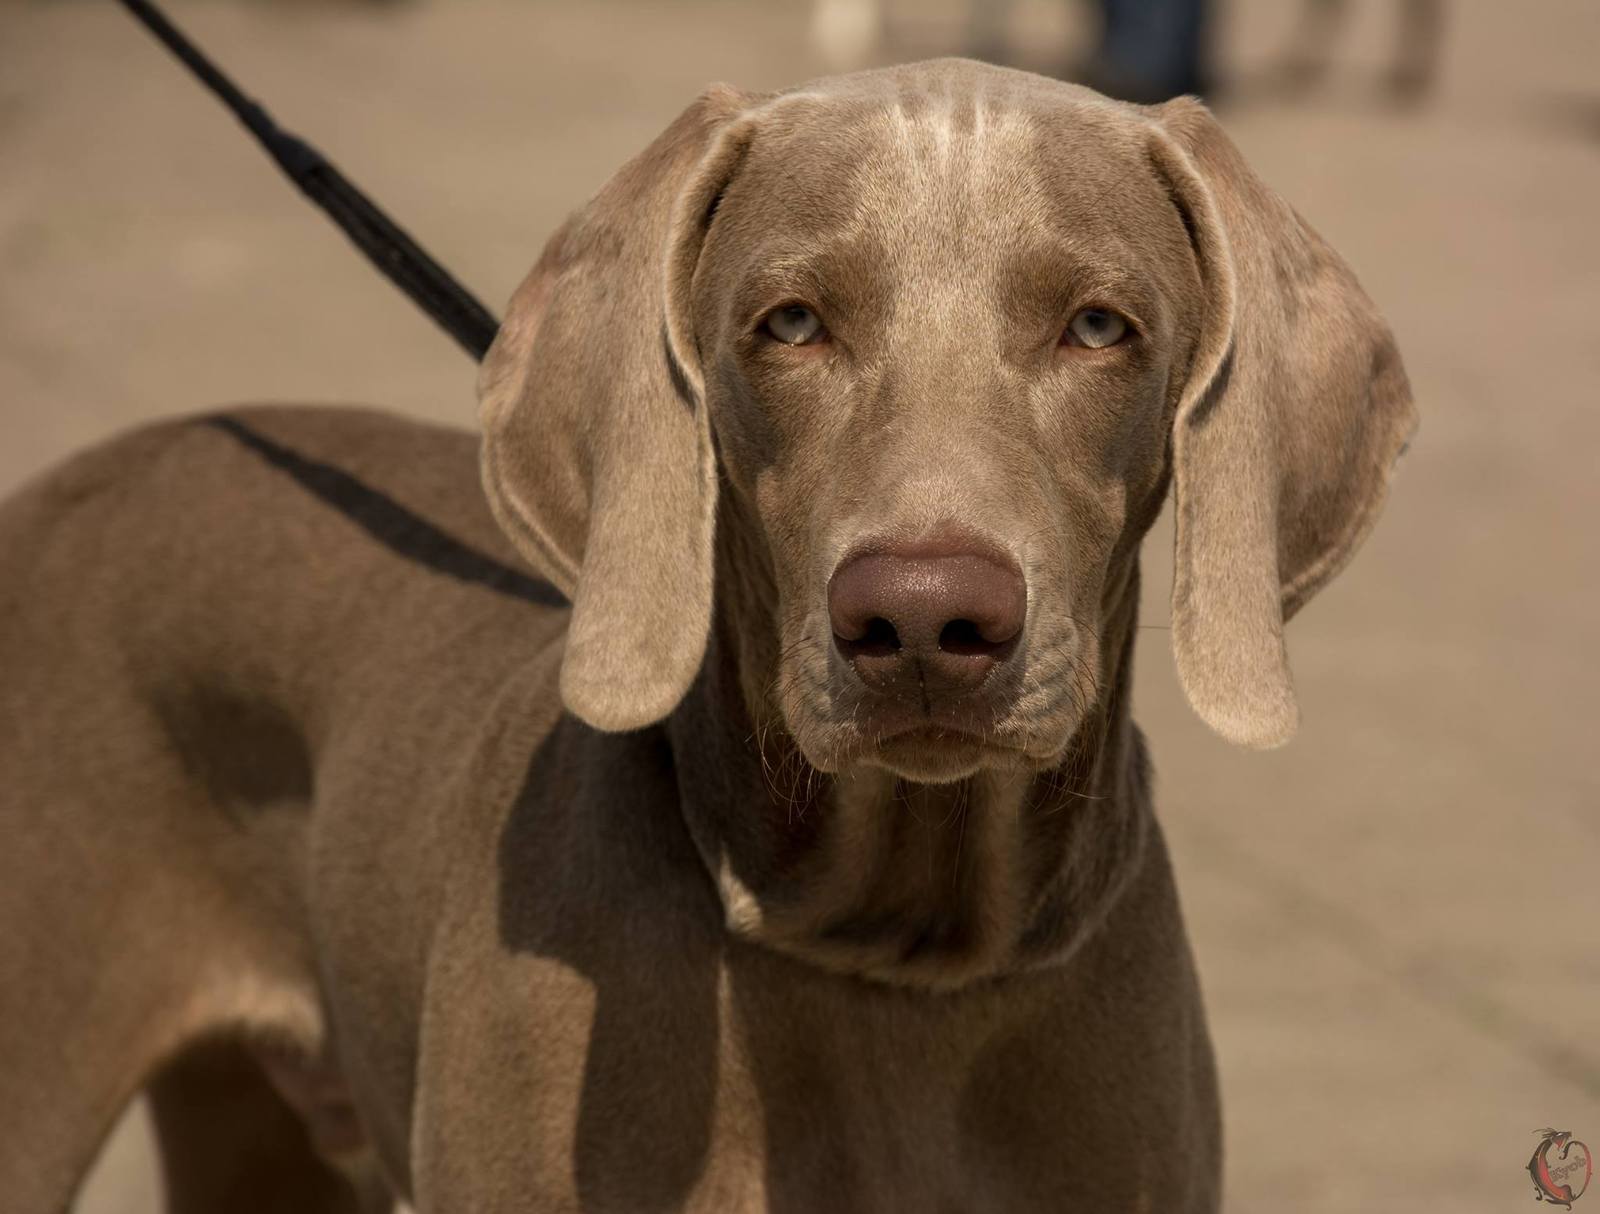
(938, 337)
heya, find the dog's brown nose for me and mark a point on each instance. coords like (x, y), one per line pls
(936, 618)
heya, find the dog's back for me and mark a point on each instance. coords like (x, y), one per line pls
(195, 618)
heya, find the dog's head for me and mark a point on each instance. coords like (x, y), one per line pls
(939, 337)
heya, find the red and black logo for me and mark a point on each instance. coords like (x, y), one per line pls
(1561, 1168)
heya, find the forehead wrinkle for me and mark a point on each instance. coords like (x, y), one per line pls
(939, 169)
(944, 191)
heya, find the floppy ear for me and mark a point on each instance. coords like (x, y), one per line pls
(597, 454)
(1294, 413)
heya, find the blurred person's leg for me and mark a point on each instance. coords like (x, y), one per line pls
(846, 33)
(1151, 50)
(1416, 61)
(1310, 50)
(988, 30)
(1417, 57)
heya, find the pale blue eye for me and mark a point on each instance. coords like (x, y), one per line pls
(1095, 328)
(794, 325)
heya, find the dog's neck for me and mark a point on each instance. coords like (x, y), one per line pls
(929, 885)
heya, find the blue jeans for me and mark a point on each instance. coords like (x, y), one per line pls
(1153, 49)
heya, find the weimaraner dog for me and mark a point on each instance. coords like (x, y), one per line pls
(753, 819)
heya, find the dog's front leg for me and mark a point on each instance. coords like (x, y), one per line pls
(500, 1092)
(571, 1059)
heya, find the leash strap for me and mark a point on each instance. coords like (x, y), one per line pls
(386, 245)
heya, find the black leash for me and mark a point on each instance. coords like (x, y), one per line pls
(388, 247)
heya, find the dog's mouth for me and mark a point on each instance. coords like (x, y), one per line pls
(939, 754)
(936, 745)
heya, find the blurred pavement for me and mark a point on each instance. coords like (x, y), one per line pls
(1395, 916)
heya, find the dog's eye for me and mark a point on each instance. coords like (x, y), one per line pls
(1095, 328)
(795, 326)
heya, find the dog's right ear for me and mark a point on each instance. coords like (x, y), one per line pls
(597, 454)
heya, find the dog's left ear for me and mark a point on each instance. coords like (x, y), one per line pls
(1294, 412)
(597, 454)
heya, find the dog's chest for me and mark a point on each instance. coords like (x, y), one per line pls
(846, 1098)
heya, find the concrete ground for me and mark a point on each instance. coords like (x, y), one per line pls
(1395, 916)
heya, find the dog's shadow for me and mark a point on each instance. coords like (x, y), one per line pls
(597, 872)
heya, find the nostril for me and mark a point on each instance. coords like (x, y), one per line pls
(964, 639)
(880, 636)
(878, 639)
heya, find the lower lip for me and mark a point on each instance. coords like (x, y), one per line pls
(958, 739)
(934, 733)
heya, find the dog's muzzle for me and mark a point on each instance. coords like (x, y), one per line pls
(926, 624)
